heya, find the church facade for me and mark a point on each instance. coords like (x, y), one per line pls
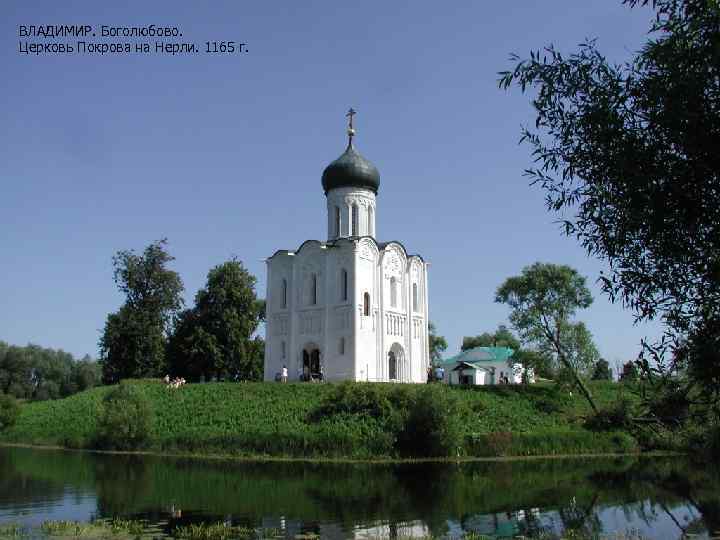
(350, 307)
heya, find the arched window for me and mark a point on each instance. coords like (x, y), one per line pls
(393, 292)
(366, 304)
(284, 293)
(392, 366)
(344, 285)
(337, 221)
(415, 297)
(355, 231)
(313, 289)
(341, 346)
(371, 221)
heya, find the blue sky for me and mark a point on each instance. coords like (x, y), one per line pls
(223, 154)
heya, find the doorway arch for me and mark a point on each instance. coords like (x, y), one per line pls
(311, 365)
(396, 365)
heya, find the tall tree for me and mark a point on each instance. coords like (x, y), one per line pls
(543, 299)
(602, 371)
(134, 339)
(215, 339)
(628, 155)
(438, 344)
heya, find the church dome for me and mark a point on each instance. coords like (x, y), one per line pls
(351, 170)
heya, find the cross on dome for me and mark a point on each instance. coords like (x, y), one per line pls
(350, 130)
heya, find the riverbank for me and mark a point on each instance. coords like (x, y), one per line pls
(333, 422)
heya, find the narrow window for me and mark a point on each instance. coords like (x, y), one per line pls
(284, 293)
(337, 221)
(283, 350)
(393, 292)
(344, 285)
(341, 347)
(313, 289)
(371, 221)
(355, 228)
(366, 304)
(415, 297)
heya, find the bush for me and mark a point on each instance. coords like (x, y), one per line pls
(9, 411)
(612, 418)
(552, 400)
(126, 419)
(434, 426)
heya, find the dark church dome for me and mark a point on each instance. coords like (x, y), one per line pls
(351, 170)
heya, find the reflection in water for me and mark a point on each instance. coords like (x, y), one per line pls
(657, 497)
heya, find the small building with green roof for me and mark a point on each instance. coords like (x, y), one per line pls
(483, 366)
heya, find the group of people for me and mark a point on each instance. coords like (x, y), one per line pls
(177, 382)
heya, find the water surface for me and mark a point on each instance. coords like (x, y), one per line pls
(655, 497)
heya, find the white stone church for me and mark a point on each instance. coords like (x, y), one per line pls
(349, 308)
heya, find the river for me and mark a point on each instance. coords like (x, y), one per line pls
(650, 497)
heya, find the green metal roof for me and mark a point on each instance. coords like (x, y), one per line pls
(479, 355)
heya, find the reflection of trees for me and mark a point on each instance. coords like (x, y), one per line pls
(18, 488)
(356, 494)
(581, 518)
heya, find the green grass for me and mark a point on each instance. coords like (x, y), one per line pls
(269, 419)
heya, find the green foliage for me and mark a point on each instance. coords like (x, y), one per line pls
(134, 338)
(126, 419)
(222, 531)
(36, 373)
(214, 339)
(542, 299)
(549, 443)
(434, 425)
(502, 337)
(627, 154)
(629, 372)
(602, 371)
(437, 344)
(348, 420)
(615, 417)
(9, 411)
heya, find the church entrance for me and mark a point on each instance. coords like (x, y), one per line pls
(396, 369)
(311, 369)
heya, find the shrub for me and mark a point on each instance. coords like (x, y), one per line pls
(9, 411)
(614, 417)
(126, 419)
(434, 425)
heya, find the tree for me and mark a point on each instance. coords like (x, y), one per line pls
(437, 344)
(542, 299)
(37, 373)
(602, 371)
(9, 411)
(628, 155)
(580, 349)
(502, 337)
(629, 372)
(215, 339)
(134, 339)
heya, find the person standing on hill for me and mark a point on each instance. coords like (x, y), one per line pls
(284, 374)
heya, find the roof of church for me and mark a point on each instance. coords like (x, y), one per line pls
(481, 354)
(351, 170)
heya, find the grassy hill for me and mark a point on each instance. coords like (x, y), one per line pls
(325, 420)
